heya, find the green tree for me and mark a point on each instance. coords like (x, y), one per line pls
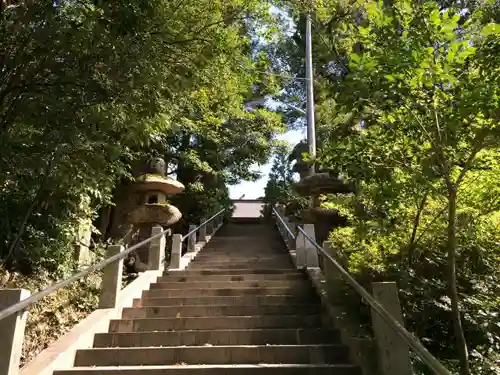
(280, 181)
(407, 105)
(88, 87)
(279, 188)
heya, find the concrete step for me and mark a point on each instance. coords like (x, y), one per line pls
(226, 300)
(182, 277)
(226, 322)
(260, 369)
(284, 336)
(228, 284)
(207, 355)
(232, 272)
(243, 249)
(255, 255)
(202, 257)
(238, 266)
(300, 290)
(218, 310)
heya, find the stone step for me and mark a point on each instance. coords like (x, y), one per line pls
(300, 290)
(216, 262)
(181, 277)
(246, 369)
(244, 244)
(238, 258)
(226, 322)
(284, 336)
(228, 284)
(206, 355)
(238, 266)
(241, 257)
(226, 300)
(233, 272)
(247, 247)
(243, 250)
(218, 310)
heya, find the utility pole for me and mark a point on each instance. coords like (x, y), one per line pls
(311, 127)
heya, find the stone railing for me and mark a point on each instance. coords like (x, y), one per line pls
(14, 303)
(392, 341)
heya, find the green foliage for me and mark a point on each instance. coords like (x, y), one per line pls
(89, 87)
(279, 184)
(408, 107)
(279, 188)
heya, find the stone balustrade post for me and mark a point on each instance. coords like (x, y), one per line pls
(290, 241)
(12, 331)
(332, 275)
(210, 228)
(175, 256)
(300, 251)
(311, 251)
(393, 352)
(203, 231)
(111, 279)
(306, 253)
(156, 257)
(191, 241)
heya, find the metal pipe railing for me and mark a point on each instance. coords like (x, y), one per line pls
(410, 339)
(284, 224)
(22, 305)
(61, 284)
(202, 224)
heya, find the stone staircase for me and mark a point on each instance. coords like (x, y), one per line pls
(239, 309)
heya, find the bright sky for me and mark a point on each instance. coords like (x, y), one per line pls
(254, 190)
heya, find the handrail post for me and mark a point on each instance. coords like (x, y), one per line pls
(175, 256)
(203, 231)
(111, 279)
(393, 352)
(311, 252)
(157, 249)
(210, 228)
(191, 241)
(300, 251)
(306, 253)
(12, 331)
(290, 241)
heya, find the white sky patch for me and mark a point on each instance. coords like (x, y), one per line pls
(254, 190)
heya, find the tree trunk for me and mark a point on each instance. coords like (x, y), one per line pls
(462, 351)
(416, 224)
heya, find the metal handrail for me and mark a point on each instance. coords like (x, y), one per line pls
(202, 224)
(96, 267)
(409, 338)
(284, 224)
(61, 284)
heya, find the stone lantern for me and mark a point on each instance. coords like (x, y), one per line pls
(324, 219)
(300, 166)
(154, 188)
(322, 182)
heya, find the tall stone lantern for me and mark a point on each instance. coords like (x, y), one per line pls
(154, 189)
(322, 182)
